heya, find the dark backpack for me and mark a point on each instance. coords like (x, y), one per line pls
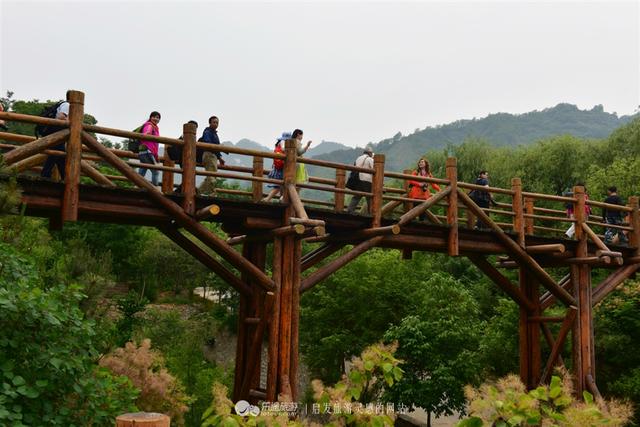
(133, 145)
(199, 151)
(50, 113)
(353, 183)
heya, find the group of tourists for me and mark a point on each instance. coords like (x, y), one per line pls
(277, 169)
(148, 151)
(609, 216)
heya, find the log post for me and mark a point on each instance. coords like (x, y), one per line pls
(528, 222)
(634, 222)
(518, 211)
(274, 323)
(405, 186)
(167, 177)
(71, 195)
(377, 189)
(583, 344)
(341, 180)
(143, 419)
(452, 208)
(258, 171)
(287, 350)
(529, 342)
(189, 168)
(289, 174)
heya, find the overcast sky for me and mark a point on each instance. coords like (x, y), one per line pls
(350, 72)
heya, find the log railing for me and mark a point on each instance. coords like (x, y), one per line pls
(515, 211)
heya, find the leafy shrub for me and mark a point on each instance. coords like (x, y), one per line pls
(507, 403)
(370, 373)
(47, 354)
(159, 390)
(181, 336)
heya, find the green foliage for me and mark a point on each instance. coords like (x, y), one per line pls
(129, 305)
(159, 390)
(355, 306)
(375, 370)
(501, 130)
(617, 332)
(182, 337)
(499, 341)
(47, 354)
(439, 345)
(508, 403)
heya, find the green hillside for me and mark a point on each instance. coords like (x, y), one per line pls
(500, 129)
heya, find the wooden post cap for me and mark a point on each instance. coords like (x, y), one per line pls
(146, 419)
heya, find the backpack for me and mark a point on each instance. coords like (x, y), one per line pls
(133, 145)
(49, 112)
(199, 151)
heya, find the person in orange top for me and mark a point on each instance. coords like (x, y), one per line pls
(420, 189)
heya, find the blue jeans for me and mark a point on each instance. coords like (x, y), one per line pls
(610, 233)
(52, 161)
(147, 157)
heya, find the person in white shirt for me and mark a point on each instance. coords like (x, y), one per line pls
(62, 113)
(364, 161)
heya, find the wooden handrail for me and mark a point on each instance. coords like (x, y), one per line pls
(409, 177)
(17, 117)
(609, 206)
(530, 213)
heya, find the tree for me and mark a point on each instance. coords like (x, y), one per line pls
(439, 346)
(355, 306)
(48, 356)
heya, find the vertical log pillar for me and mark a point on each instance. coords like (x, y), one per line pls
(518, 210)
(295, 316)
(583, 342)
(529, 333)
(258, 171)
(167, 177)
(71, 194)
(341, 180)
(252, 307)
(377, 189)
(274, 323)
(528, 222)
(634, 222)
(241, 337)
(289, 284)
(407, 206)
(189, 168)
(452, 208)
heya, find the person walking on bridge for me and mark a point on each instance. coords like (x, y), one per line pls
(365, 179)
(482, 198)
(614, 217)
(420, 189)
(62, 113)
(149, 149)
(277, 170)
(210, 159)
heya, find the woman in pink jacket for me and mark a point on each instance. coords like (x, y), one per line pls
(149, 149)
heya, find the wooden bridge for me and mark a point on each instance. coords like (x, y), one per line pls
(525, 230)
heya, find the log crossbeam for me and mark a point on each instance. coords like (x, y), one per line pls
(517, 252)
(181, 217)
(559, 342)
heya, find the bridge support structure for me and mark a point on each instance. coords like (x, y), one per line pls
(270, 289)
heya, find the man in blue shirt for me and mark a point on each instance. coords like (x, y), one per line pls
(209, 159)
(482, 198)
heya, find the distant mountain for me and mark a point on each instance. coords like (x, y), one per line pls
(499, 129)
(325, 147)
